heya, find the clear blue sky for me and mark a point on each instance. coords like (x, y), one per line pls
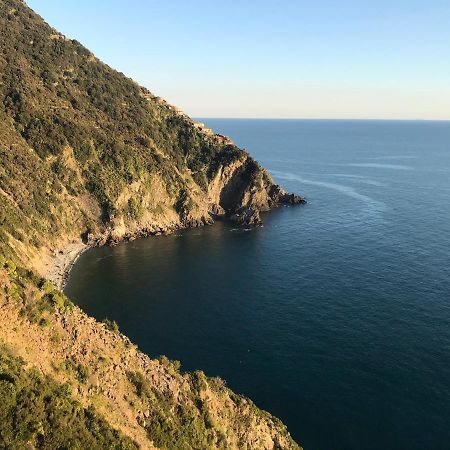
(249, 58)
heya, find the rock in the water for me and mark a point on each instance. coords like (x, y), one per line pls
(247, 216)
(292, 199)
(281, 197)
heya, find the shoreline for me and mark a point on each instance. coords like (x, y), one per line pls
(60, 265)
(58, 268)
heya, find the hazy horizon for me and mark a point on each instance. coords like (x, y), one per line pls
(343, 119)
(293, 60)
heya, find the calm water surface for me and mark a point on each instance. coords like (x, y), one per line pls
(334, 316)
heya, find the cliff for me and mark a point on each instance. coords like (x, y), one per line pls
(88, 157)
(87, 152)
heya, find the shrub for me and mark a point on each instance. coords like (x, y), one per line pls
(44, 322)
(37, 412)
(83, 373)
(111, 325)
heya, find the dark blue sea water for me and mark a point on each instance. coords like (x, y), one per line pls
(334, 316)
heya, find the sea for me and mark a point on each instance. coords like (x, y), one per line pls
(333, 316)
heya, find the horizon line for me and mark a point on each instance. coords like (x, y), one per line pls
(321, 118)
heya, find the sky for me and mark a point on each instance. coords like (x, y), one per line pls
(343, 59)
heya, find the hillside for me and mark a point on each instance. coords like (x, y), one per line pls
(97, 372)
(87, 152)
(88, 157)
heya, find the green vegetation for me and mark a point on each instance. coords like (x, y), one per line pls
(178, 425)
(36, 412)
(111, 325)
(170, 423)
(82, 145)
(46, 300)
(90, 130)
(174, 409)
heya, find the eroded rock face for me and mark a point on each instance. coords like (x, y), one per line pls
(243, 189)
(281, 197)
(240, 191)
(216, 210)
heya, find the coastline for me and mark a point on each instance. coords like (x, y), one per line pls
(58, 269)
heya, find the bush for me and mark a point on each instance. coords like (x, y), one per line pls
(44, 322)
(111, 325)
(37, 412)
(83, 373)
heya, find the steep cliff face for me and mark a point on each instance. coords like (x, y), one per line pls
(86, 150)
(89, 157)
